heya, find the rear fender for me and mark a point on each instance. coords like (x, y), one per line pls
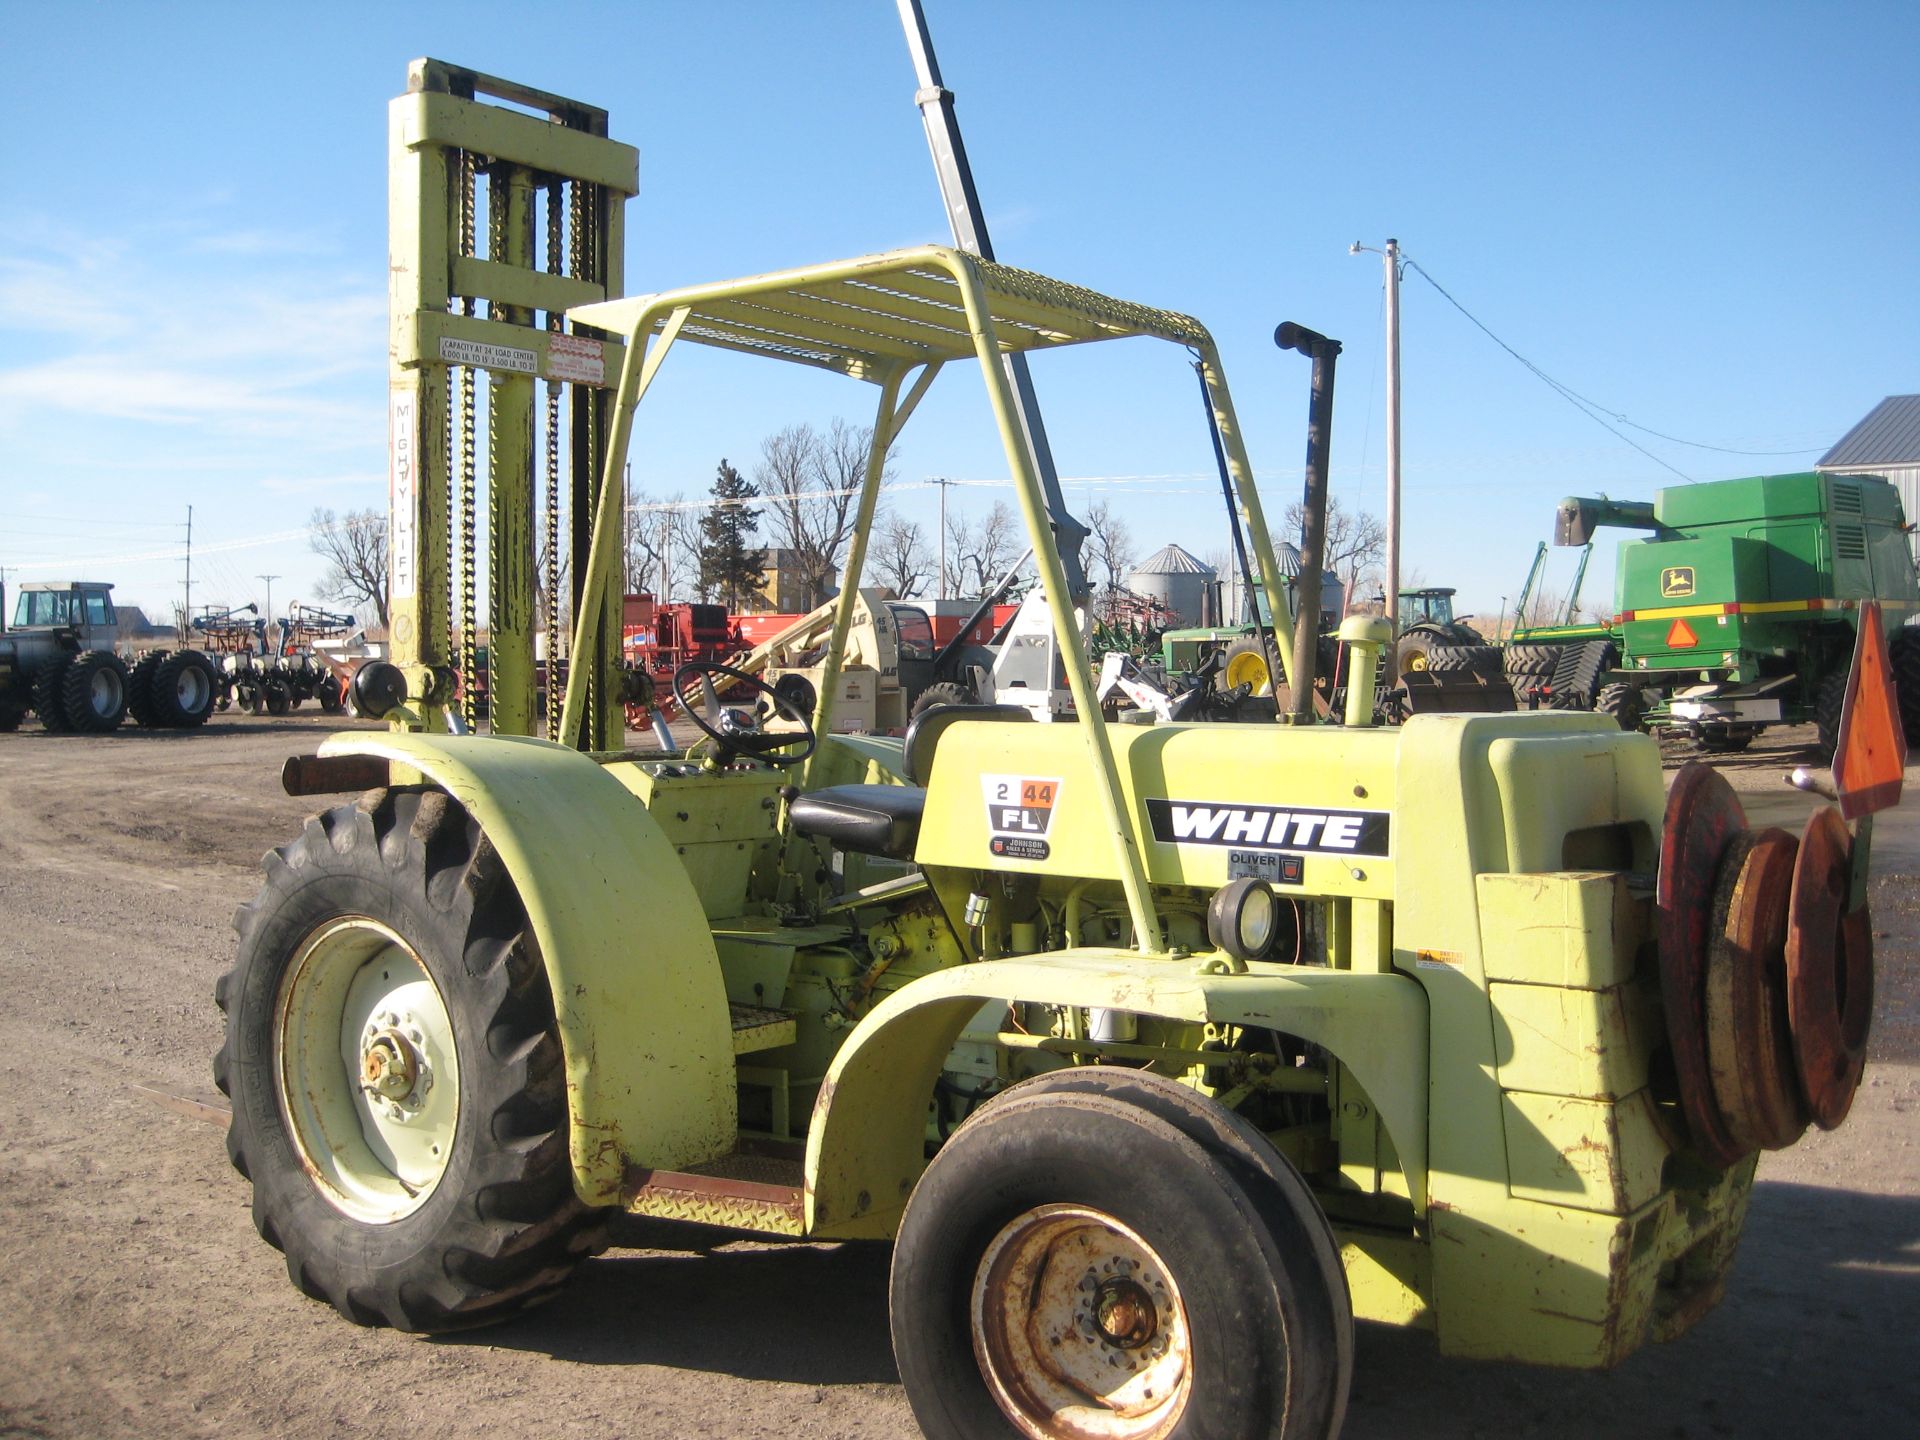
(637, 990)
(865, 1148)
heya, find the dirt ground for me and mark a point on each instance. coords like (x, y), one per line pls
(135, 1298)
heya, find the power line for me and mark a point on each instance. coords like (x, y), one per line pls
(1592, 409)
(176, 553)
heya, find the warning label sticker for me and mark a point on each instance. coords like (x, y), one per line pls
(1019, 813)
(489, 357)
(576, 359)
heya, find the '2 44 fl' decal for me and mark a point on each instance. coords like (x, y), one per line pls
(1019, 813)
(1269, 827)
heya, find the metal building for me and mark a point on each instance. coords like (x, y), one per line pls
(1175, 579)
(1886, 443)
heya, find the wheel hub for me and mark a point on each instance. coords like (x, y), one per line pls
(391, 1065)
(1124, 1313)
(1079, 1329)
(368, 1070)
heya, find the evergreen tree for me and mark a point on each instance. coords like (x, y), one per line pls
(731, 562)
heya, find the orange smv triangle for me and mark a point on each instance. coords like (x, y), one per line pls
(1870, 761)
(1680, 636)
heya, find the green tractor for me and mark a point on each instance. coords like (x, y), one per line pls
(1432, 637)
(1160, 1052)
(1740, 608)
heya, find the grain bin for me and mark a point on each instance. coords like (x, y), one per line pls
(1173, 578)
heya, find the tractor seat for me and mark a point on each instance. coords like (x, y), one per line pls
(868, 819)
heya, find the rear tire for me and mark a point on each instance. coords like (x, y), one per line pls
(1903, 652)
(49, 694)
(1579, 674)
(1624, 703)
(1828, 700)
(1193, 1262)
(183, 690)
(140, 688)
(1244, 662)
(1480, 659)
(1414, 651)
(397, 911)
(941, 692)
(1531, 660)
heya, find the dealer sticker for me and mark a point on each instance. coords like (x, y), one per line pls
(1268, 865)
(1020, 813)
(577, 358)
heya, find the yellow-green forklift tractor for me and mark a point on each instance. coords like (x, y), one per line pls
(1161, 1052)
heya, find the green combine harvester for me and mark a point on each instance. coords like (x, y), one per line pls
(1739, 609)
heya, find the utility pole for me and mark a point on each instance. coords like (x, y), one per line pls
(1391, 258)
(270, 579)
(941, 566)
(186, 615)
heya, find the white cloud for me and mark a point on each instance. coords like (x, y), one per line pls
(236, 333)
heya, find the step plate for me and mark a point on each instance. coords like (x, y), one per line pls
(758, 1028)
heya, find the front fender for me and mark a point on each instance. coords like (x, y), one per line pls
(866, 1147)
(637, 990)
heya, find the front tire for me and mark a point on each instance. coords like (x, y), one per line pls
(399, 1097)
(49, 693)
(1184, 1308)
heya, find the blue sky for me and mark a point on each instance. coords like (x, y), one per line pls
(1699, 216)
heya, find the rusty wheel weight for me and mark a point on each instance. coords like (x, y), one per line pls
(1749, 1047)
(1829, 971)
(1703, 816)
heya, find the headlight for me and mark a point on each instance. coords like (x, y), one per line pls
(1243, 918)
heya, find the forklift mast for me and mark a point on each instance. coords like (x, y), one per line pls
(499, 220)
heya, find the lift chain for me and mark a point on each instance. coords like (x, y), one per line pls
(585, 205)
(466, 541)
(555, 257)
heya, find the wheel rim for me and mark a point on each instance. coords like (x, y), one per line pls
(369, 1078)
(190, 689)
(104, 693)
(1079, 1328)
(1247, 669)
(1416, 661)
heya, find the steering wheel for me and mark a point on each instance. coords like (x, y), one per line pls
(737, 731)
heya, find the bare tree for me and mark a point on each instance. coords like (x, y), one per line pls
(812, 482)
(354, 546)
(978, 553)
(900, 557)
(663, 544)
(1356, 541)
(1109, 542)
